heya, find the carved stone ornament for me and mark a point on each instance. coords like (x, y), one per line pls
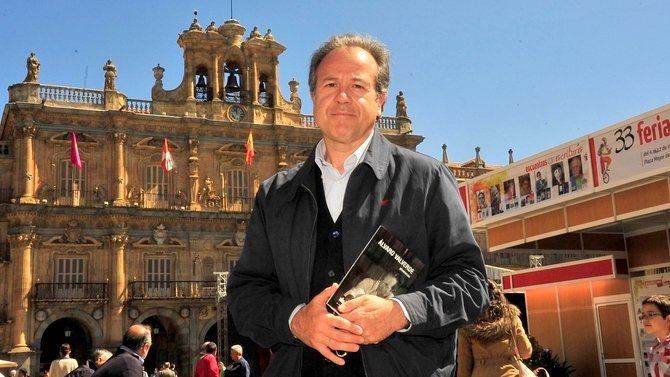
(72, 232)
(40, 315)
(133, 313)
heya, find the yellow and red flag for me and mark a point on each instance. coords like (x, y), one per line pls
(250, 149)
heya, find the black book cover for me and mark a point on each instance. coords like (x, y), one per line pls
(385, 268)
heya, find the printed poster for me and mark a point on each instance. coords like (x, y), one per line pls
(550, 177)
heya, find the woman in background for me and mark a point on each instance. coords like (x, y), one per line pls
(486, 347)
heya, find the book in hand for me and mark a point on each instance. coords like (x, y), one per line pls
(385, 268)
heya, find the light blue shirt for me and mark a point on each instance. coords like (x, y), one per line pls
(334, 183)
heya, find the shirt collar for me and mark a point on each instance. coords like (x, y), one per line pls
(352, 161)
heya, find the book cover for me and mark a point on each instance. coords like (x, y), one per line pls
(385, 267)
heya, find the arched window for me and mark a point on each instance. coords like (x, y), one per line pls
(264, 96)
(233, 80)
(202, 88)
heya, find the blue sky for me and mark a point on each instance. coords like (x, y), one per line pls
(526, 75)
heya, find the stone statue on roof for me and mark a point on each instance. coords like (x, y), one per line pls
(33, 66)
(110, 75)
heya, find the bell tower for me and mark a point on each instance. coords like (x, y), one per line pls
(227, 77)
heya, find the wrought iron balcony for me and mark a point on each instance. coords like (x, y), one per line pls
(70, 292)
(167, 290)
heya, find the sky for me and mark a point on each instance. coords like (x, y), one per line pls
(525, 75)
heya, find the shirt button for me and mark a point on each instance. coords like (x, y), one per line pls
(331, 273)
(335, 234)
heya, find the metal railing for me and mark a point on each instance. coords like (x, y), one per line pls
(164, 290)
(50, 292)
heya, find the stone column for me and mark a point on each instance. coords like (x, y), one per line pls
(190, 74)
(21, 251)
(275, 83)
(28, 133)
(214, 79)
(119, 283)
(254, 80)
(119, 141)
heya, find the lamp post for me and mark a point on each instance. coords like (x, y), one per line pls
(222, 314)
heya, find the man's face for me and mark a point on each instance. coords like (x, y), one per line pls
(346, 104)
(234, 355)
(576, 167)
(144, 351)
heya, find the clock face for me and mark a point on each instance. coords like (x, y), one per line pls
(236, 113)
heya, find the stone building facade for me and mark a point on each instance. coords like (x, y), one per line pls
(85, 253)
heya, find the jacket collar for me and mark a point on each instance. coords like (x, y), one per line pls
(376, 157)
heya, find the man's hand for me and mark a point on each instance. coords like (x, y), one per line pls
(325, 332)
(379, 317)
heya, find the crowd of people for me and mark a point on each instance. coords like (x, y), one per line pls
(129, 359)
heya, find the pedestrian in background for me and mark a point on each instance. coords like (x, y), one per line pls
(489, 347)
(207, 366)
(129, 359)
(240, 366)
(64, 365)
(98, 357)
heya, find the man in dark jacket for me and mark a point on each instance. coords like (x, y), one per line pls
(310, 223)
(128, 360)
(99, 357)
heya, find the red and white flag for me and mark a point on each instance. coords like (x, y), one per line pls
(167, 163)
(250, 149)
(74, 152)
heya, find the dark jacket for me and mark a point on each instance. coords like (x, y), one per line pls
(122, 364)
(417, 199)
(81, 371)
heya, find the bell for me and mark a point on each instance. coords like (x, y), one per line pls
(231, 85)
(261, 87)
(201, 83)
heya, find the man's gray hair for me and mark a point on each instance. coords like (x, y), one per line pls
(101, 353)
